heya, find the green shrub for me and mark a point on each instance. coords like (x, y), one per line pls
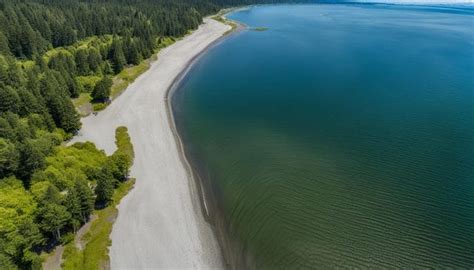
(99, 106)
(87, 83)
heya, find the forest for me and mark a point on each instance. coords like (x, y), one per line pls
(51, 52)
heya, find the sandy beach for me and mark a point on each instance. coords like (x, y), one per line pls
(160, 223)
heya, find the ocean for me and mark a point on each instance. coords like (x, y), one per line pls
(342, 136)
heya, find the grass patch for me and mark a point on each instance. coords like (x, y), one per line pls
(165, 42)
(220, 18)
(97, 107)
(123, 141)
(95, 254)
(128, 76)
(82, 104)
(83, 98)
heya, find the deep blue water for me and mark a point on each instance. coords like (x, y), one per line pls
(343, 136)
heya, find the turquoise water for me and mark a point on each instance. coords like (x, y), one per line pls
(343, 136)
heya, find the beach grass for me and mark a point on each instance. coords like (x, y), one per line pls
(222, 19)
(81, 100)
(82, 103)
(127, 76)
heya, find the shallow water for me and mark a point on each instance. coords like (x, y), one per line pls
(340, 137)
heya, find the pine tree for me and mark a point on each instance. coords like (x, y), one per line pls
(134, 56)
(54, 217)
(9, 99)
(86, 198)
(73, 205)
(6, 131)
(105, 186)
(121, 164)
(70, 118)
(94, 60)
(101, 90)
(9, 158)
(31, 159)
(82, 62)
(4, 48)
(59, 105)
(27, 103)
(118, 57)
(72, 86)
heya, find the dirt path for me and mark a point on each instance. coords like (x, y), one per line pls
(78, 241)
(53, 261)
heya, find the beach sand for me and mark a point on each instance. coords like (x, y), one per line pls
(160, 223)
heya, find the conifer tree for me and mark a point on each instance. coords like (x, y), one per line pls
(9, 158)
(94, 60)
(73, 205)
(4, 48)
(9, 99)
(105, 186)
(86, 198)
(54, 217)
(118, 57)
(31, 159)
(101, 90)
(82, 62)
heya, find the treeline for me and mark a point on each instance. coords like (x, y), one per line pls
(51, 51)
(30, 27)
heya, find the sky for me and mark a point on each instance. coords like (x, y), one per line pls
(418, 1)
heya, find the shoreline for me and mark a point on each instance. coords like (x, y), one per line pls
(160, 225)
(233, 254)
(193, 176)
(172, 123)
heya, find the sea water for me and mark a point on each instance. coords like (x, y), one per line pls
(342, 136)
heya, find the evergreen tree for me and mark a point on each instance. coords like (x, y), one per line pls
(70, 118)
(4, 48)
(54, 217)
(28, 103)
(134, 56)
(121, 164)
(82, 62)
(9, 158)
(9, 99)
(73, 205)
(86, 198)
(105, 186)
(6, 131)
(71, 85)
(31, 159)
(117, 56)
(94, 60)
(101, 90)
